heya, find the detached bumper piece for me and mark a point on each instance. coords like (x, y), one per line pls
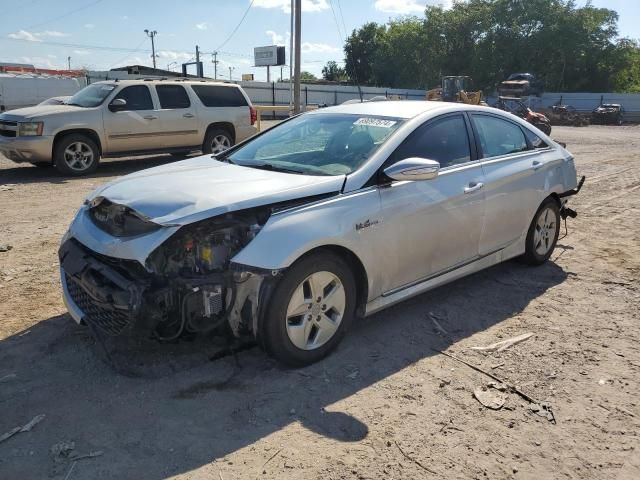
(107, 296)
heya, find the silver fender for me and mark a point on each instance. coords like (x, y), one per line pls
(349, 220)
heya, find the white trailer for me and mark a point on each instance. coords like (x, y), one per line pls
(25, 90)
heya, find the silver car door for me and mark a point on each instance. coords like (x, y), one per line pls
(432, 226)
(135, 126)
(514, 175)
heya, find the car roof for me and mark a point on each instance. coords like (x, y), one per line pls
(396, 108)
(166, 81)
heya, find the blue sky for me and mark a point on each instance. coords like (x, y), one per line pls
(101, 34)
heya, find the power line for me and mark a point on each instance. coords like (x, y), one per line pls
(127, 55)
(335, 18)
(344, 26)
(74, 45)
(237, 26)
(71, 12)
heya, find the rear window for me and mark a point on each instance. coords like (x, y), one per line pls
(218, 96)
(173, 96)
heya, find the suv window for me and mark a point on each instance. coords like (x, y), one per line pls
(137, 97)
(173, 96)
(218, 96)
(534, 140)
(444, 140)
(498, 137)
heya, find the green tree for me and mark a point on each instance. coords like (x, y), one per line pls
(332, 72)
(307, 77)
(571, 48)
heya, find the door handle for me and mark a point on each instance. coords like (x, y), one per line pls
(188, 115)
(536, 165)
(473, 187)
(150, 117)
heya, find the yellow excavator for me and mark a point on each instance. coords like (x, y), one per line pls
(456, 89)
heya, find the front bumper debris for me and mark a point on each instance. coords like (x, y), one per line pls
(119, 297)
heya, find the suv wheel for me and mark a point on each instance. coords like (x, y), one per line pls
(76, 155)
(310, 310)
(217, 141)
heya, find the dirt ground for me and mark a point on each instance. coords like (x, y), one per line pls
(385, 405)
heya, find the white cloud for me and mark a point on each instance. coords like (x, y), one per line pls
(308, 47)
(89, 26)
(24, 35)
(125, 17)
(40, 62)
(173, 55)
(406, 7)
(52, 56)
(81, 52)
(36, 36)
(52, 33)
(285, 5)
(277, 39)
(202, 26)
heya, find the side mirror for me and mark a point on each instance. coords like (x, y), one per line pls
(413, 168)
(118, 105)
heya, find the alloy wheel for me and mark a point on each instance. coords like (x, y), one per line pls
(219, 144)
(315, 310)
(545, 231)
(78, 156)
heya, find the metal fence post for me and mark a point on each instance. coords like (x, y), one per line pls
(306, 96)
(335, 97)
(273, 99)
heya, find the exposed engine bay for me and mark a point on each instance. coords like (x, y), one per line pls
(186, 286)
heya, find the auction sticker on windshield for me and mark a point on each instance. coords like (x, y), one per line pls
(375, 122)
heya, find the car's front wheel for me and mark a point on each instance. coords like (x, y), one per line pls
(310, 310)
(543, 233)
(76, 155)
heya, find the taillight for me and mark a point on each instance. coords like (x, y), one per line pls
(254, 114)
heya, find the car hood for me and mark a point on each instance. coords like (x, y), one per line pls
(202, 187)
(39, 111)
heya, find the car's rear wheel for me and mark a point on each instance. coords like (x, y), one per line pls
(217, 141)
(76, 155)
(543, 233)
(310, 310)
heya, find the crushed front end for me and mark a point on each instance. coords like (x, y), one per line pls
(186, 285)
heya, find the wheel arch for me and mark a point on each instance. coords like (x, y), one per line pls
(355, 264)
(92, 134)
(228, 126)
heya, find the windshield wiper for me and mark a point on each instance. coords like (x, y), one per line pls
(272, 167)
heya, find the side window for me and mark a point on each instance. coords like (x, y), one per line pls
(218, 96)
(534, 140)
(137, 97)
(498, 137)
(445, 140)
(173, 96)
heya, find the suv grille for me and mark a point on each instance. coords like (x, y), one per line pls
(110, 321)
(8, 129)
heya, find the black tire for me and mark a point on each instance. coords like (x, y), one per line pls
(211, 136)
(64, 163)
(42, 164)
(532, 254)
(273, 332)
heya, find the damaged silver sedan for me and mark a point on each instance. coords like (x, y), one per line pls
(333, 214)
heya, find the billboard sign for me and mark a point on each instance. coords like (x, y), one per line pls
(272, 55)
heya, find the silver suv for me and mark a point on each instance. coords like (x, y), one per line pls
(130, 117)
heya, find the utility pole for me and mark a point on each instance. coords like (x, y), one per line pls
(215, 65)
(291, 60)
(197, 54)
(151, 34)
(231, 69)
(69, 63)
(298, 42)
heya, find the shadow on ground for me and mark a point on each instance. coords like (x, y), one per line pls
(181, 411)
(26, 173)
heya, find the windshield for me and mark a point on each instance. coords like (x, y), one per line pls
(92, 95)
(317, 144)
